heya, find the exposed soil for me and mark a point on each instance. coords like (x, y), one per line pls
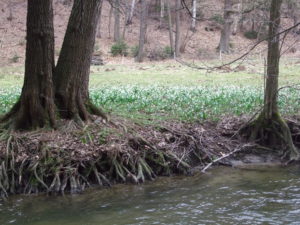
(72, 158)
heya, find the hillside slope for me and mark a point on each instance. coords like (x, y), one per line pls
(199, 45)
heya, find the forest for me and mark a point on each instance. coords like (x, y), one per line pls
(98, 93)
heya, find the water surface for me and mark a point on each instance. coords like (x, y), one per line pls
(223, 196)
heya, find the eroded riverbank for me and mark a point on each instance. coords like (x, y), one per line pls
(105, 153)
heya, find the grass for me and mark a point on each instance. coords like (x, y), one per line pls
(171, 91)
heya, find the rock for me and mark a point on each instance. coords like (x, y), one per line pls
(97, 60)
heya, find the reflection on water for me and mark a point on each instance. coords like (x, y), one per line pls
(224, 196)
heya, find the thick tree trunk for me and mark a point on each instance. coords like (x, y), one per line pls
(178, 27)
(109, 21)
(117, 33)
(194, 16)
(36, 106)
(170, 26)
(224, 45)
(143, 30)
(71, 77)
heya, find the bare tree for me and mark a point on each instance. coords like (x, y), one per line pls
(224, 45)
(162, 13)
(109, 20)
(194, 16)
(178, 28)
(170, 25)
(237, 16)
(117, 9)
(270, 128)
(99, 22)
(143, 29)
(129, 19)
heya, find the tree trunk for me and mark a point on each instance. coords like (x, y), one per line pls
(109, 20)
(143, 30)
(236, 17)
(99, 22)
(271, 96)
(162, 13)
(71, 77)
(129, 20)
(269, 128)
(117, 35)
(36, 106)
(194, 16)
(170, 26)
(224, 45)
(178, 27)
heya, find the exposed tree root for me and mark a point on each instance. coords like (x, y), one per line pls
(273, 133)
(74, 157)
(28, 116)
(71, 159)
(76, 107)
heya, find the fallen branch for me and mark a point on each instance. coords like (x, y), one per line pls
(238, 149)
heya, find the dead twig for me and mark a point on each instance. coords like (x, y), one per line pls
(238, 149)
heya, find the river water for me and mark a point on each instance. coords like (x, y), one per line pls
(222, 196)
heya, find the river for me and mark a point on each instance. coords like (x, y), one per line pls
(222, 196)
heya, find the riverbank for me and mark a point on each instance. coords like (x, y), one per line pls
(103, 153)
(164, 119)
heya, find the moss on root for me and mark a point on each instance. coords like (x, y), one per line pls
(273, 133)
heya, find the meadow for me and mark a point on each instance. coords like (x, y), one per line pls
(173, 91)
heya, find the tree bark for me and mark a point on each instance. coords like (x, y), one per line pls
(271, 96)
(236, 17)
(99, 22)
(178, 27)
(36, 106)
(269, 128)
(71, 77)
(194, 16)
(162, 13)
(109, 21)
(117, 33)
(170, 26)
(143, 30)
(224, 45)
(129, 20)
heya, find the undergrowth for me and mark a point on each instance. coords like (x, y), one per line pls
(179, 103)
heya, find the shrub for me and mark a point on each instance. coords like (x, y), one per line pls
(251, 34)
(119, 48)
(168, 52)
(15, 58)
(218, 18)
(159, 53)
(134, 51)
(96, 48)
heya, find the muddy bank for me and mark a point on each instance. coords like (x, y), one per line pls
(72, 158)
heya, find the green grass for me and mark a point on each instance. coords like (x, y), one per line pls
(180, 103)
(171, 91)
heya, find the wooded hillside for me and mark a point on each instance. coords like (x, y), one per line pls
(200, 28)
